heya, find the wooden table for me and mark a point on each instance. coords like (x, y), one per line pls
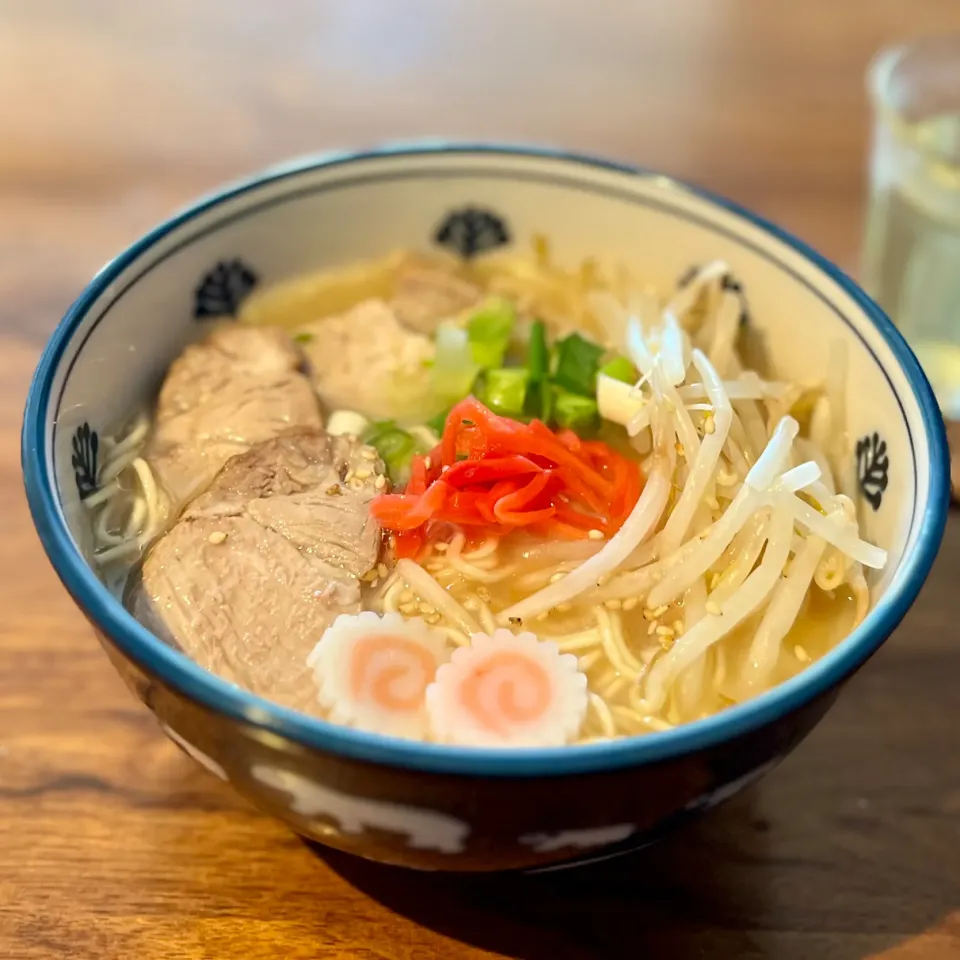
(112, 113)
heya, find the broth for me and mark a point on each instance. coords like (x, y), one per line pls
(611, 528)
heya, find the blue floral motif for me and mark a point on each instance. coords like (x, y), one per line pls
(471, 231)
(86, 445)
(873, 468)
(223, 289)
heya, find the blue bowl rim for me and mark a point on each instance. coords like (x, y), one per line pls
(183, 675)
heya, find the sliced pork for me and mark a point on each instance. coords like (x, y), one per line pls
(424, 296)
(360, 359)
(264, 560)
(238, 387)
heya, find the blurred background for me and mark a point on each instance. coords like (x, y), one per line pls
(113, 113)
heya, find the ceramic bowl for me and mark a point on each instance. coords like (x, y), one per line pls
(426, 805)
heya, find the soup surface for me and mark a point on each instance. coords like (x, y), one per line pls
(495, 503)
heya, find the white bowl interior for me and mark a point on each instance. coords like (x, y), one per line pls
(333, 214)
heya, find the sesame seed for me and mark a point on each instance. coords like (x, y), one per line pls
(652, 629)
(564, 607)
(380, 482)
(613, 604)
(631, 603)
(712, 502)
(363, 474)
(434, 566)
(355, 483)
(382, 569)
(368, 454)
(603, 579)
(408, 608)
(484, 594)
(595, 534)
(426, 609)
(218, 536)
(543, 616)
(678, 626)
(440, 547)
(348, 477)
(432, 618)
(708, 425)
(660, 611)
(665, 631)
(713, 608)
(801, 654)
(556, 577)
(427, 462)
(370, 575)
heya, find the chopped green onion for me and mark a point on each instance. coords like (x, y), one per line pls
(489, 330)
(538, 356)
(303, 337)
(575, 412)
(395, 446)
(577, 363)
(506, 390)
(454, 369)
(620, 368)
(546, 400)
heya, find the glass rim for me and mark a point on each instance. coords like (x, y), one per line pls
(892, 115)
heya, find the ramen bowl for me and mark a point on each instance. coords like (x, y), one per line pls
(427, 805)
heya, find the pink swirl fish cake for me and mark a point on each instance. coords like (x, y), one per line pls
(507, 691)
(372, 672)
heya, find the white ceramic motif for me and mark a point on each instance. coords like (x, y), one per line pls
(710, 800)
(578, 839)
(424, 829)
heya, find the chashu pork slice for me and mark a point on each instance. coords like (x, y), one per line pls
(366, 360)
(262, 562)
(238, 387)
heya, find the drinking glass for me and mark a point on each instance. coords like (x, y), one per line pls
(912, 245)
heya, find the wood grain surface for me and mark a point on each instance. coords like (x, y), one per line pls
(114, 112)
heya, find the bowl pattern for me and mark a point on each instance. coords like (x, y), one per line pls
(424, 805)
(438, 821)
